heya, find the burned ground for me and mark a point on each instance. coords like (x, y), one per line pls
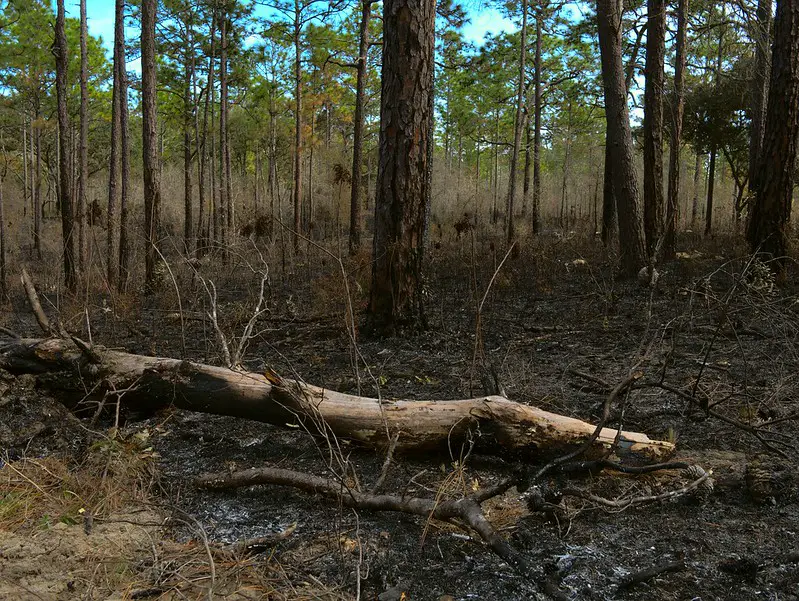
(714, 343)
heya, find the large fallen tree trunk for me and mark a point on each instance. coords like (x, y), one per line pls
(494, 424)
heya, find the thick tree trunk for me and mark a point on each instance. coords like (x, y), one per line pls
(357, 135)
(762, 38)
(403, 173)
(653, 123)
(60, 51)
(517, 130)
(507, 428)
(152, 183)
(625, 185)
(767, 232)
(672, 205)
(609, 223)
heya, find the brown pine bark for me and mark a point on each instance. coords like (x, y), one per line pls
(625, 185)
(402, 181)
(60, 51)
(124, 152)
(357, 135)
(188, 123)
(152, 183)
(672, 204)
(539, 27)
(3, 274)
(113, 171)
(224, 151)
(653, 123)
(518, 126)
(83, 145)
(37, 187)
(760, 80)
(297, 191)
(770, 219)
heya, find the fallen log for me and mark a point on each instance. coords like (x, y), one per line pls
(494, 424)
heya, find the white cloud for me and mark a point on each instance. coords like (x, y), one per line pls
(486, 21)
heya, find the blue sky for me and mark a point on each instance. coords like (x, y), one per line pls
(100, 15)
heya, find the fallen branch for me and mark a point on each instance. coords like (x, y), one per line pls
(649, 573)
(497, 425)
(466, 509)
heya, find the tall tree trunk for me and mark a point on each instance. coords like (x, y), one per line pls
(206, 231)
(517, 129)
(37, 190)
(711, 187)
(297, 192)
(767, 232)
(188, 121)
(112, 231)
(697, 180)
(609, 225)
(25, 171)
(653, 123)
(609, 208)
(152, 183)
(495, 204)
(760, 80)
(357, 135)
(224, 150)
(310, 208)
(539, 27)
(528, 163)
(60, 51)
(124, 152)
(403, 175)
(672, 208)
(3, 274)
(83, 174)
(632, 244)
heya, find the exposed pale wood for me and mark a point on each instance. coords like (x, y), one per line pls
(496, 424)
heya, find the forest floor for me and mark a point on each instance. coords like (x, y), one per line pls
(715, 328)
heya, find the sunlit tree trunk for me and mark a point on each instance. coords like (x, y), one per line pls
(224, 150)
(83, 145)
(768, 227)
(759, 94)
(517, 129)
(188, 121)
(297, 192)
(672, 204)
(403, 179)
(152, 183)
(112, 231)
(539, 27)
(60, 51)
(653, 123)
(357, 136)
(625, 186)
(124, 152)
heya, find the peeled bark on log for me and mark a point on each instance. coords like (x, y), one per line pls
(496, 425)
